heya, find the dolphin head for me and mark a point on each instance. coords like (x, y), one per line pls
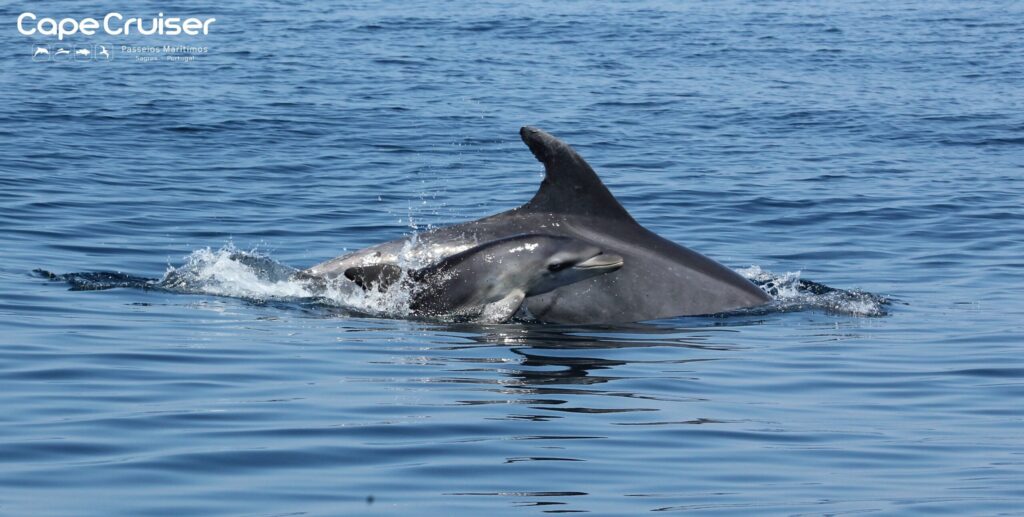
(557, 261)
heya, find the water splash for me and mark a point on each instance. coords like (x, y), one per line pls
(256, 276)
(790, 293)
(249, 275)
(240, 274)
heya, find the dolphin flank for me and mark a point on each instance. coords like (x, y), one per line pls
(658, 278)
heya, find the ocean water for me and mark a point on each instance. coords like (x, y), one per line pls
(877, 148)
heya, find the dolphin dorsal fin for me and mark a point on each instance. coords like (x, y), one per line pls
(570, 185)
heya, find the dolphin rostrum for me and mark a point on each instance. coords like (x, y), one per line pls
(489, 282)
(659, 279)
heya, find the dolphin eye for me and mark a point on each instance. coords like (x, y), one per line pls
(557, 266)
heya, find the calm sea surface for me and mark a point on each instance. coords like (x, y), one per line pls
(864, 145)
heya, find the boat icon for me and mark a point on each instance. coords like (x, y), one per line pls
(61, 53)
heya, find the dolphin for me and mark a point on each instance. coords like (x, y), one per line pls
(489, 282)
(658, 278)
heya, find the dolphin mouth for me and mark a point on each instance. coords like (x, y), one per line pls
(601, 261)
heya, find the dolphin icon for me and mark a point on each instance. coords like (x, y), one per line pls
(40, 51)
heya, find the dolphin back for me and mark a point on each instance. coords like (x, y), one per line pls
(660, 278)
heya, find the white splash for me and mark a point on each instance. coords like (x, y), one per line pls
(229, 272)
(255, 276)
(790, 293)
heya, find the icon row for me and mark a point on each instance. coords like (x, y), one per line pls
(71, 52)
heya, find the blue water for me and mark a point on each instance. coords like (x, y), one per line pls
(863, 145)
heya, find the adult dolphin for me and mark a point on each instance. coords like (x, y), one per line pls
(659, 279)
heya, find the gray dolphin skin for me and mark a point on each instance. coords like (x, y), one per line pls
(489, 282)
(658, 278)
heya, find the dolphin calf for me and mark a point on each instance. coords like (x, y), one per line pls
(489, 282)
(658, 278)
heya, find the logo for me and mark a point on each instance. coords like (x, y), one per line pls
(69, 38)
(101, 52)
(113, 24)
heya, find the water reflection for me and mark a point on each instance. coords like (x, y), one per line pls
(572, 383)
(528, 360)
(575, 356)
(603, 337)
(551, 406)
